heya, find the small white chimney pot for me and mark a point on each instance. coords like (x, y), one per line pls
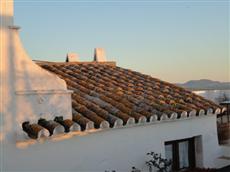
(99, 55)
(72, 57)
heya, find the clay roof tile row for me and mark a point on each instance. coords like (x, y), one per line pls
(110, 96)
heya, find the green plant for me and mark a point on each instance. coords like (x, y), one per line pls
(158, 162)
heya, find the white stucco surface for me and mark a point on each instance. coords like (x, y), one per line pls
(113, 149)
(20, 74)
(214, 95)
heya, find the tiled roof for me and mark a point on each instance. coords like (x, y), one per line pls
(109, 96)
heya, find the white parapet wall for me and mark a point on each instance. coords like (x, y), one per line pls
(27, 91)
(113, 149)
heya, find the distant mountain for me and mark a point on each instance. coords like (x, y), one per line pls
(205, 84)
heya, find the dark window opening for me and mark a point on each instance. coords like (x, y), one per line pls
(182, 153)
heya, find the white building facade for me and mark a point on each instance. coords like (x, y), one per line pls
(116, 149)
(29, 92)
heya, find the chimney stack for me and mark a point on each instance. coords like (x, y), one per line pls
(24, 83)
(6, 13)
(72, 57)
(99, 55)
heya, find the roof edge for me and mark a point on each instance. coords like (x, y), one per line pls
(109, 63)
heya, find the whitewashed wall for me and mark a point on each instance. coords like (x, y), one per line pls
(22, 81)
(113, 149)
(42, 104)
(214, 95)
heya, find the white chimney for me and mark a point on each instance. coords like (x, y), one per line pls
(6, 13)
(99, 55)
(72, 57)
(24, 83)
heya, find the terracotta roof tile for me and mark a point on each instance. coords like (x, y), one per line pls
(110, 95)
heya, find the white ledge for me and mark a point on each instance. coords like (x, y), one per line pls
(118, 123)
(153, 118)
(24, 141)
(164, 117)
(174, 116)
(104, 125)
(28, 92)
(184, 115)
(217, 111)
(130, 121)
(142, 119)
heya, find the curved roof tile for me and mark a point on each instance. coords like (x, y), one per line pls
(104, 93)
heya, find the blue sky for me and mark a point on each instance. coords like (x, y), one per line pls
(172, 40)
